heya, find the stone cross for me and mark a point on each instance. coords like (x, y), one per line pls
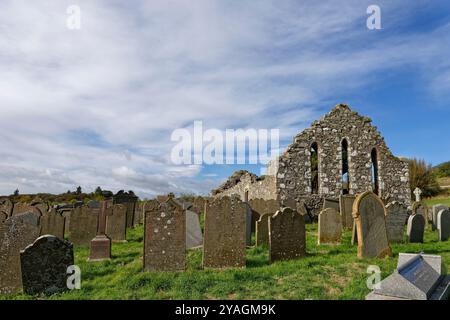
(101, 244)
(417, 193)
(101, 230)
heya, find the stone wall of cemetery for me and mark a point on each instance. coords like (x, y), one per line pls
(290, 176)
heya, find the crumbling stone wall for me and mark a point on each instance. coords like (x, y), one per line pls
(294, 172)
(289, 177)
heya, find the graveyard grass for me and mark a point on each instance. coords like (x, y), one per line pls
(328, 272)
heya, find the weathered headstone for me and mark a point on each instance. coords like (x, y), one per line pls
(415, 228)
(370, 214)
(128, 199)
(330, 227)
(6, 206)
(139, 213)
(443, 224)
(83, 225)
(225, 233)
(346, 207)
(16, 233)
(397, 216)
(44, 265)
(165, 238)
(3, 216)
(262, 206)
(420, 208)
(101, 244)
(116, 223)
(53, 223)
(436, 209)
(417, 277)
(287, 235)
(262, 230)
(194, 237)
(248, 224)
(330, 203)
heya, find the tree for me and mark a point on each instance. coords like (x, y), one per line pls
(79, 191)
(421, 175)
(16, 192)
(98, 191)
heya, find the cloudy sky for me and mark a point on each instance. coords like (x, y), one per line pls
(97, 106)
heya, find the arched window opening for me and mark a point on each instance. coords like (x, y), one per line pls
(345, 172)
(374, 157)
(314, 168)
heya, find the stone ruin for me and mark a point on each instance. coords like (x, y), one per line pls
(342, 153)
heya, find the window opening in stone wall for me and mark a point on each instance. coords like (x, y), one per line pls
(314, 168)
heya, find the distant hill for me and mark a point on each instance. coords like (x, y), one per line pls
(442, 170)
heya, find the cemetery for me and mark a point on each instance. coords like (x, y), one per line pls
(333, 206)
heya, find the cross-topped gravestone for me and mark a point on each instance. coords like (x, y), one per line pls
(287, 235)
(370, 214)
(225, 233)
(330, 227)
(101, 244)
(417, 193)
(44, 265)
(165, 237)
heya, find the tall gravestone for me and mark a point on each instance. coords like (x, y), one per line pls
(101, 244)
(116, 223)
(420, 208)
(16, 233)
(287, 235)
(165, 237)
(83, 225)
(262, 230)
(330, 227)
(415, 228)
(397, 216)
(225, 233)
(345, 207)
(129, 200)
(194, 236)
(44, 265)
(443, 224)
(370, 214)
(53, 223)
(435, 211)
(262, 206)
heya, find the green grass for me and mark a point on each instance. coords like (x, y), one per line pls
(328, 272)
(437, 200)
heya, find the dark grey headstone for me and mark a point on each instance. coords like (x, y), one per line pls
(415, 228)
(443, 224)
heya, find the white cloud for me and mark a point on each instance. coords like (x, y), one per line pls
(97, 106)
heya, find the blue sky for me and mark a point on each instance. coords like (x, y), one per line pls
(97, 106)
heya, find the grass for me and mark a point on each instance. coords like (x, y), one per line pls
(328, 272)
(438, 200)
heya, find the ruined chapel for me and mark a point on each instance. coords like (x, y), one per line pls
(342, 153)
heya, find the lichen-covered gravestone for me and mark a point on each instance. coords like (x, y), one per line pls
(83, 225)
(345, 207)
(397, 215)
(262, 230)
(287, 236)
(330, 227)
(53, 223)
(225, 233)
(44, 265)
(116, 223)
(165, 238)
(16, 233)
(443, 224)
(415, 228)
(370, 214)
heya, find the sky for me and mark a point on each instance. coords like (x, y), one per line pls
(97, 105)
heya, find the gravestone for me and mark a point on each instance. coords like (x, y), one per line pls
(93, 204)
(436, 209)
(415, 228)
(53, 223)
(116, 223)
(83, 225)
(101, 244)
(21, 207)
(417, 193)
(225, 233)
(330, 227)
(40, 204)
(44, 265)
(3, 216)
(139, 213)
(287, 235)
(262, 230)
(420, 208)
(65, 213)
(354, 234)
(6, 206)
(330, 203)
(129, 200)
(194, 237)
(165, 238)
(370, 214)
(397, 216)
(417, 277)
(443, 224)
(345, 208)
(262, 206)
(16, 233)
(248, 224)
